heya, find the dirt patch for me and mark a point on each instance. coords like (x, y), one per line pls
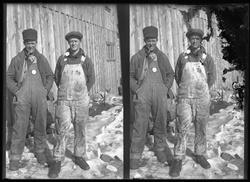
(98, 107)
(217, 105)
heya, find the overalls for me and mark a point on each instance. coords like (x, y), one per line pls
(152, 97)
(30, 99)
(193, 106)
(72, 106)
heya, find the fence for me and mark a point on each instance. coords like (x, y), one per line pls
(97, 23)
(172, 34)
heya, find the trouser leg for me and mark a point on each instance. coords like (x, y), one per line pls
(159, 112)
(183, 123)
(81, 117)
(200, 142)
(22, 112)
(140, 126)
(39, 113)
(63, 122)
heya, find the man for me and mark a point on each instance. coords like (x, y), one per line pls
(74, 77)
(151, 77)
(195, 74)
(29, 78)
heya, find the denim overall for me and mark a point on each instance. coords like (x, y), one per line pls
(192, 107)
(72, 106)
(30, 99)
(152, 97)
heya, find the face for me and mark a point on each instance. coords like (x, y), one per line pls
(74, 44)
(30, 46)
(195, 41)
(151, 43)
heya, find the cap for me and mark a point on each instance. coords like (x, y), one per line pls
(73, 34)
(29, 34)
(150, 32)
(198, 32)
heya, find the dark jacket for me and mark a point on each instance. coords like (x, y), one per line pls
(14, 72)
(87, 66)
(136, 65)
(208, 65)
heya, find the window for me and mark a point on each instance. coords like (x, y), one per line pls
(110, 51)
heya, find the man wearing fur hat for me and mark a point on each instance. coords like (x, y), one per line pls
(195, 74)
(151, 77)
(74, 77)
(29, 78)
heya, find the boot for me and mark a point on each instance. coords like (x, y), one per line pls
(202, 161)
(169, 155)
(14, 165)
(134, 163)
(82, 163)
(161, 156)
(49, 157)
(41, 159)
(175, 169)
(54, 169)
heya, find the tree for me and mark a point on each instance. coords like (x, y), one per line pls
(233, 21)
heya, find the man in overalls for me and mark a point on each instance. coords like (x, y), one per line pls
(151, 77)
(195, 74)
(74, 77)
(29, 78)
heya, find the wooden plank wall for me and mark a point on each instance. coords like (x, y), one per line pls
(172, 34)
(54, 21)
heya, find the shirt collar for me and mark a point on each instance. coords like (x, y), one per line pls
(79, 54)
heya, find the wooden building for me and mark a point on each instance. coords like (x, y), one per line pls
(172, 27)
(97, 22)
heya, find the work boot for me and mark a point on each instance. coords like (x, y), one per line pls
(134, 163)
(175, 168)
(202, 161)
(41, 159)
(14, 165)
(82, 163)
(161, 156)
(49, 157)
(54, 169)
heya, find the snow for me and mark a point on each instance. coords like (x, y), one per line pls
(225, 133)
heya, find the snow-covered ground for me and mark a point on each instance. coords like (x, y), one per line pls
(225, 133)
(104, 150)
(225, 138)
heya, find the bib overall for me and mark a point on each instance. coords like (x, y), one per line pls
(152, 97)
(30, 100)
(72, 107)
(193, 107)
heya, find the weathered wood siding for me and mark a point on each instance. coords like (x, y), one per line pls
(172, 34)
(54, 21)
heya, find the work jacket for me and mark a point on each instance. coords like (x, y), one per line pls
(15, 69)
(136, 69)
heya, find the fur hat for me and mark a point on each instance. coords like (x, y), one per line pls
(29, 34)
(150, 32)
